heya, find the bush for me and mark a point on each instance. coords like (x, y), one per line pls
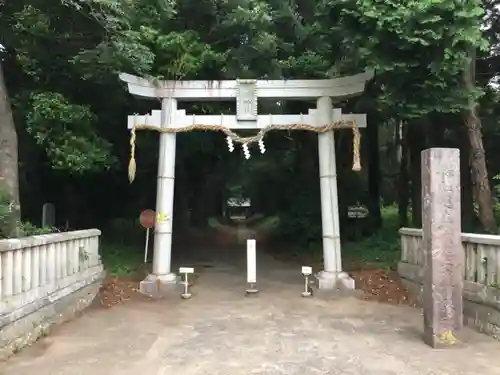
(24, 229)
(29, 229)
(123, 230)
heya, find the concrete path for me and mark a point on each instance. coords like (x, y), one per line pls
(221, 332)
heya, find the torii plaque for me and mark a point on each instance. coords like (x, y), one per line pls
(246, 100)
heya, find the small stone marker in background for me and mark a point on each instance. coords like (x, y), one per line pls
(444, 257)
(357, 212)
(48, 215)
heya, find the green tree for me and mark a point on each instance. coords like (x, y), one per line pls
(423, 53)
(9, 180)
(41, 46)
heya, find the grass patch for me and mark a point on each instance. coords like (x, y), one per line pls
(121, 259)
(381, 249)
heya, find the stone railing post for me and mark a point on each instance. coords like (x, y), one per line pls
(45, 272)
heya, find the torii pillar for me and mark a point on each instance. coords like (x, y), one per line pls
(246, 93)
(162, 253)
(332, 274)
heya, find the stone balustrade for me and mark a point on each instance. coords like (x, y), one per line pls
(44, 280)
(481, 275)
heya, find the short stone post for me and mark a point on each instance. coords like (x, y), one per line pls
(444, 257)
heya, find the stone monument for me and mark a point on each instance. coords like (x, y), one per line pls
(444, 257)
(48, 215)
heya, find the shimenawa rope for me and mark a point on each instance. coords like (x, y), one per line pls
(356, 139)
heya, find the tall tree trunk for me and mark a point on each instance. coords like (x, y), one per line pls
(469, 219)
(403, 180)
(9, 168)
(73, 204)
(374, 172)
(417, 131)
(436, 130)
(479, 172)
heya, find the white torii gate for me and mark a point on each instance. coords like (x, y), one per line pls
(246, 94)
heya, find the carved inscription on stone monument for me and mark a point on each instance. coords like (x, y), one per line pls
(444, 258)
(246, 100)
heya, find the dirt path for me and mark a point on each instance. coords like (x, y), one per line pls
(220, 331)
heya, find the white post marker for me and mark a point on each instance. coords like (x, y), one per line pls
(306, 271)
(251, 268)
(146, 246)
(186, 271)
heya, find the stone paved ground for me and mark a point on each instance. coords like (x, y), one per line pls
(219, 331)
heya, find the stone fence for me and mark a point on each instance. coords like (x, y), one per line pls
(45, 280)
(481, 276)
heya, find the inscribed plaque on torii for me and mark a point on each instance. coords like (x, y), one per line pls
(246, 102)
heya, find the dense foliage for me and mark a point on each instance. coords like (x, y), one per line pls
(62, 57)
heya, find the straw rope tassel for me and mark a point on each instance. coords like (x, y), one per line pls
(356, 140)
(132, 167)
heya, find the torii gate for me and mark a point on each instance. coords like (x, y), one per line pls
(246, 94)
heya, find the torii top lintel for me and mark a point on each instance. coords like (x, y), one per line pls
(339, 88)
